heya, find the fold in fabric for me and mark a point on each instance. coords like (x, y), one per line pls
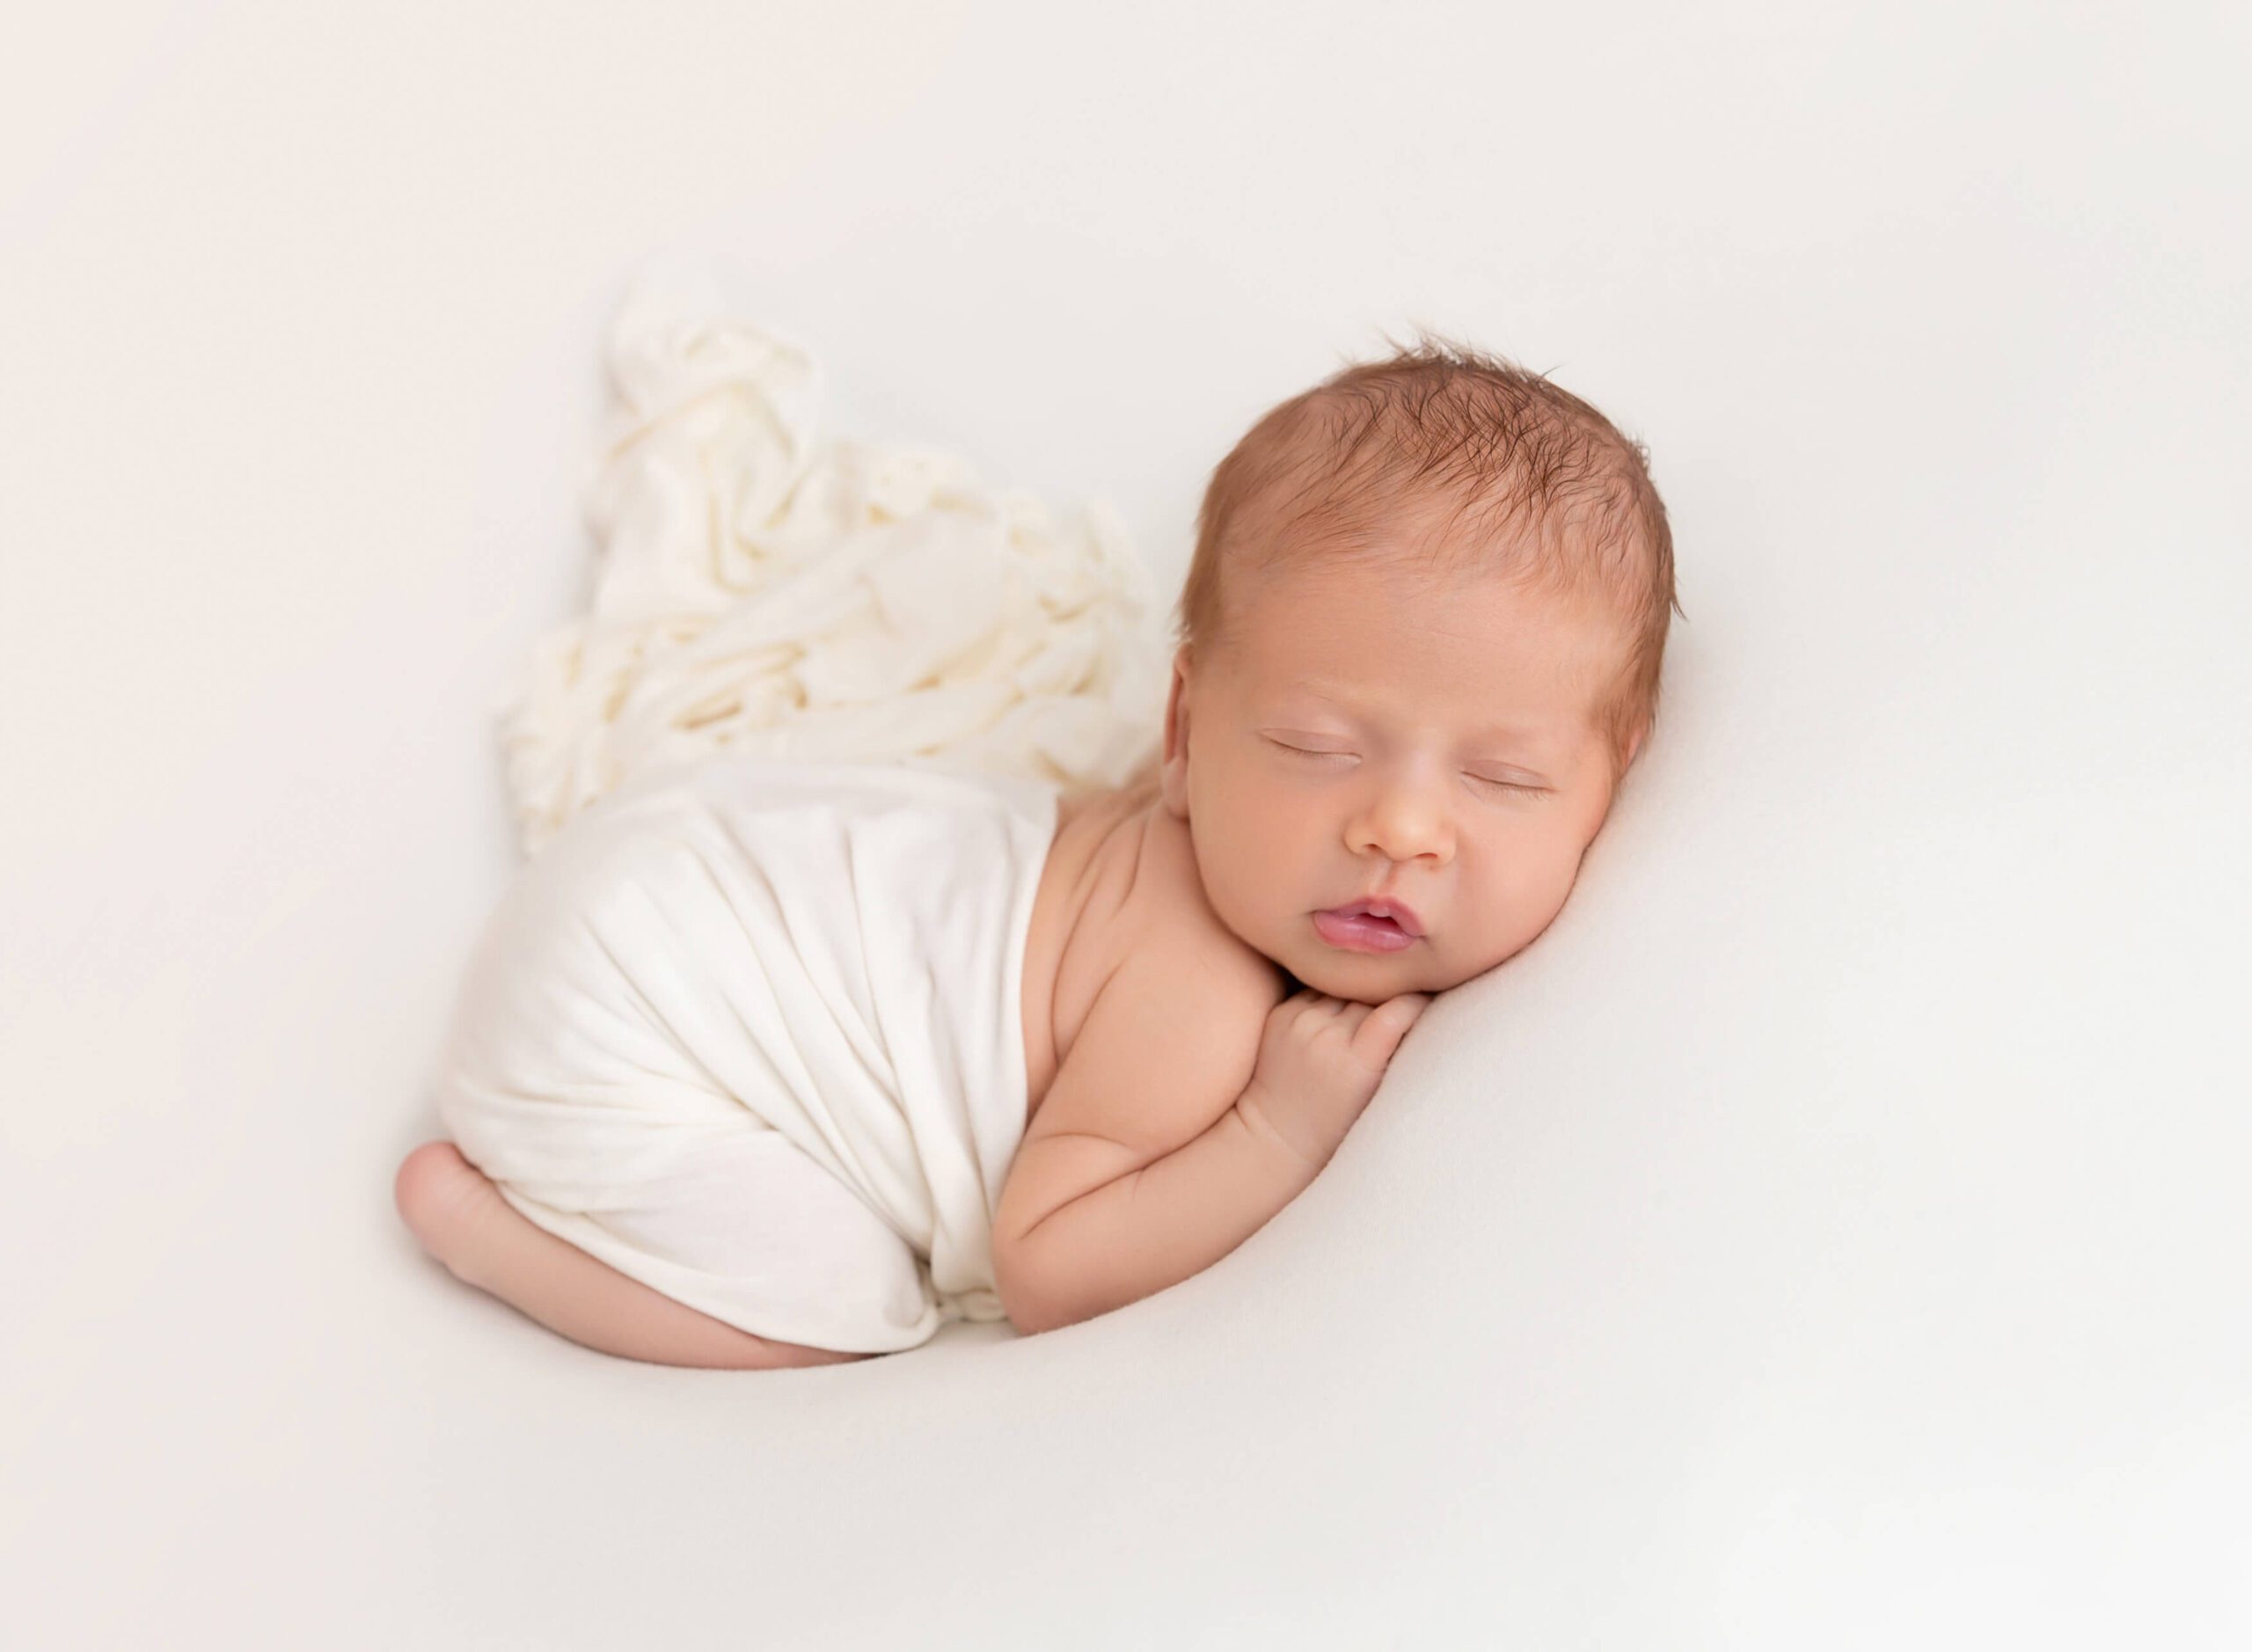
(762, 591)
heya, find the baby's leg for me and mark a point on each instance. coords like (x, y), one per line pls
(485, 1242)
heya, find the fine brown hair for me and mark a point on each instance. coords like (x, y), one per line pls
(1449, 456)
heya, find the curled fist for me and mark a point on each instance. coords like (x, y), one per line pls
(1320, 1062)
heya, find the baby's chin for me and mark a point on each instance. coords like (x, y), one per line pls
(1365, 977)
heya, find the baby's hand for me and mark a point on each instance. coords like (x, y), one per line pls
(1319, 1066)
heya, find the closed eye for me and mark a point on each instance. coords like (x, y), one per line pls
(1499, 785)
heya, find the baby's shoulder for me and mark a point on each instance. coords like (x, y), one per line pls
(1163, 1015)
(1139, 911)
(1165, 923)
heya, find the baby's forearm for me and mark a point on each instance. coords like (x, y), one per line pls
(1155, 1227)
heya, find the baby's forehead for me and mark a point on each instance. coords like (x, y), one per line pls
(1337, 629)
(1362, 594)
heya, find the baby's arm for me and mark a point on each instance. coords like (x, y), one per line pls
(1138, 1171)
(1189, 1111)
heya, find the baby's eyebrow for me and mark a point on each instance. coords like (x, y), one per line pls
(1533, 736)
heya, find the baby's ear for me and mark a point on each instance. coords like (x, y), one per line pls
(1173, 770)
(1635, 745)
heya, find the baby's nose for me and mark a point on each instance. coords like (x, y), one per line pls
(1404, 825)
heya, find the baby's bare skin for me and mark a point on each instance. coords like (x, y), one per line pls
(1289, 799)
(1100, 881)
(1374, 732)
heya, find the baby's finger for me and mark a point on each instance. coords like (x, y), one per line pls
(1346, 1027)
(1377, 1037)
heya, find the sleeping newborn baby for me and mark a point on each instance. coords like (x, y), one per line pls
(767, 1062)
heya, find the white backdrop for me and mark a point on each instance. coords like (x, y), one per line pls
(1829, 1234)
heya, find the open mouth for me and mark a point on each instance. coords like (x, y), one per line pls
(1357, 931)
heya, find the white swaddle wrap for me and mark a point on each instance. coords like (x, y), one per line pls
(748, 1027)
(750, 1031)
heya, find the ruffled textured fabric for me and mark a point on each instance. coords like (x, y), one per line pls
(762, 591)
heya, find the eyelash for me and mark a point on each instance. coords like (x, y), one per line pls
(1499, 785)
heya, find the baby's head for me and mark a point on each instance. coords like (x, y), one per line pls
(1419, 648)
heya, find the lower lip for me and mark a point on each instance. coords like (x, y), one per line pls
(1361, 933)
